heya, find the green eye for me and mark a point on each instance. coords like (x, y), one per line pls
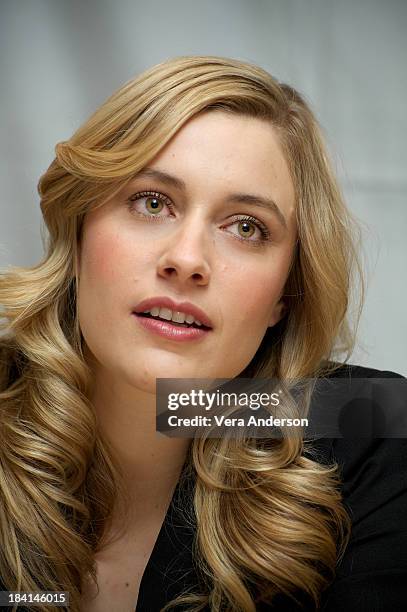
(154, 205)
(246, 229)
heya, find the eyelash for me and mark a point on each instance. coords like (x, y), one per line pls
(265, 233)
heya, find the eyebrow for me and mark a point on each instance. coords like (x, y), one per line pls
(244, 198)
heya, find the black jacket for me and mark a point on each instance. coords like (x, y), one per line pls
(372, 576)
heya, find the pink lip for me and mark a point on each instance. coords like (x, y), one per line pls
(167, 302)
(171, 331)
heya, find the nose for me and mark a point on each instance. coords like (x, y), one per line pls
(184, 258)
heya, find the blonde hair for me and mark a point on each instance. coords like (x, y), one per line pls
(269, 518)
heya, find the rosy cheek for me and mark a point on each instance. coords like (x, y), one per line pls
(259, 305)
(106, 256)
(254, 291)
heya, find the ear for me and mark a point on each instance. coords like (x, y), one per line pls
(279, 311)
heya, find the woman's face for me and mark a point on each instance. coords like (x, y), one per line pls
(210, 222)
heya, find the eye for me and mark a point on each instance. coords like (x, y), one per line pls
(152, 202)
(247, 226)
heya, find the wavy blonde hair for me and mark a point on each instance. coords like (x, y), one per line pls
(269, 517)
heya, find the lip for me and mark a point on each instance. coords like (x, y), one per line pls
(170, 331)
(167, 302)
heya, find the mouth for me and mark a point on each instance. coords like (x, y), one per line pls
(148, 315)
(173, 331)
(163, 310)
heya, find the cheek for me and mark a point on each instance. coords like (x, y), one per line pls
(105, 266)
(110, 259)
(101, 258)
(252, 291)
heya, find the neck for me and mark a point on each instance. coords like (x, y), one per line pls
(150, 462)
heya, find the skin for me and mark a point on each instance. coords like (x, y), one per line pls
(192, 253)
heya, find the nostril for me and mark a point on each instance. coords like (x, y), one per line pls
(170, 271)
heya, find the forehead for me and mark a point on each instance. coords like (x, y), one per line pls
(220, 150)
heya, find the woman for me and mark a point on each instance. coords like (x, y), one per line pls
(199, 193)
